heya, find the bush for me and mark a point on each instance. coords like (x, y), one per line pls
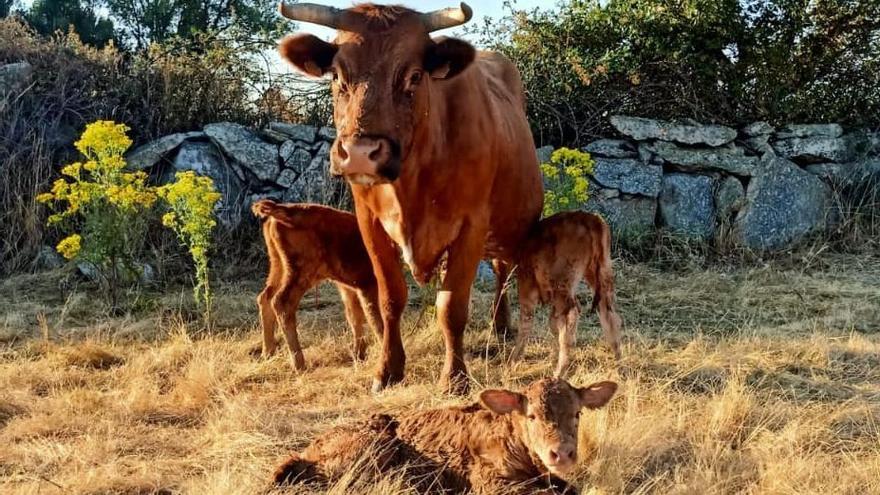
(727, 61)
(108, 209)
(177, 86)
(104, 205)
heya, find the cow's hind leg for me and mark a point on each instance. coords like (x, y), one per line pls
(565, 318)
(354, 314)
(501, 305)
(286, 303)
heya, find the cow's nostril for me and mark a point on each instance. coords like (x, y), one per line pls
(554, 456)
(343, 152)
(376, 154)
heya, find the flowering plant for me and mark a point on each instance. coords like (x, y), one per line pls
(565, 178)
(191, 199)
(102, 205)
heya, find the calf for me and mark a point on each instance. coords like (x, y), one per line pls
(507, 443)
(306, 245)
(560, 251)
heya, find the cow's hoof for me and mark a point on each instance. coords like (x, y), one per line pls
(455, 384)
(385, 380)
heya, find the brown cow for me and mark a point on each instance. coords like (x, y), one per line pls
(562, 250)
(306, 245)
(433, 137)
(508, 443)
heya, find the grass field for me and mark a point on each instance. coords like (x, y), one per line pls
(764, 379)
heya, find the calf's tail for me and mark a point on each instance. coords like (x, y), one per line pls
(266, 209)
(603, 296)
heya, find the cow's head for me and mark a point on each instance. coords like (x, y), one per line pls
(382, 64)
(547, 412)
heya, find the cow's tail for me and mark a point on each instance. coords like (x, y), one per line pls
(296, 470)
(604, 292)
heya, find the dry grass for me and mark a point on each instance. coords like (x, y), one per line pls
(757, 380)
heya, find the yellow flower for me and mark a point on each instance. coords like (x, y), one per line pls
(103, 139)
(45, 197)
(72, 170)
(169, 219)
(70, 246)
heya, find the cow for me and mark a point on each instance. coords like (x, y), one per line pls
(433, 138)
(308, 244)
(562, 250)
(508, 442)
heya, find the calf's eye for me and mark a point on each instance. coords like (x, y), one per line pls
(531, 416)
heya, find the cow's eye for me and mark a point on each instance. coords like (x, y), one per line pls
(577, 415)
(531, 416)
(415, 78)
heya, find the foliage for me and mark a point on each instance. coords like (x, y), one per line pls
(49, 16)
(103, 205)
(157, 21)
(725, 61)
(565, 180)
(172, 87)
(192, 199)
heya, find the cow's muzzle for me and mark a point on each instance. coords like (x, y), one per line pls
(366, 160)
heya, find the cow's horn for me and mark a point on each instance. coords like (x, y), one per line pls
(311, 12)
(446, 18)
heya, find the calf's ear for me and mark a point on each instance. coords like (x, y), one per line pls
(502, 401)
(308, 53)
(597, 394)
(447, 57)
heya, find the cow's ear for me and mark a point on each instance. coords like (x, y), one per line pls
(308, 53)
(597, 394)
(503, 401)
(447, 57)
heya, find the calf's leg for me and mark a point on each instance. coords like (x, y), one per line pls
(528, 300)
(354, 314)
(286, 303)
(501, 305)
(267, 320)
(565, 319)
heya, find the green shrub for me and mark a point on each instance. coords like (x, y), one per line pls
(107, 208)
(103, 205)
(191, 200)
(727, 61)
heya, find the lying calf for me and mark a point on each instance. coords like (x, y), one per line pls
(507, 443)
(560, 251)
(306, 245)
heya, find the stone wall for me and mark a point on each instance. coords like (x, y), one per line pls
(287, 162)
(773, 187)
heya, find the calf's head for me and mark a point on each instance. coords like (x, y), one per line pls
(382, 64)
(548, 412)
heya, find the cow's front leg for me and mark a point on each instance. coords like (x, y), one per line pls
(392, 297)
(453, 300)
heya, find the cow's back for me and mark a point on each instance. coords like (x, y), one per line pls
(517, 194)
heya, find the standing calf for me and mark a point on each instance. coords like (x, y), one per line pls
(306, 245)
(508, 443)
(560, 251)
